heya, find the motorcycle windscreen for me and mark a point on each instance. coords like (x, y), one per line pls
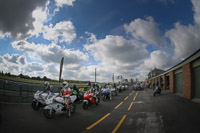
(73, 98)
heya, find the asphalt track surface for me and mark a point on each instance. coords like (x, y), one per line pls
(129, 112)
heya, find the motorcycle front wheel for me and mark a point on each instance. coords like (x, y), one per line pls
(49, 113)
(85, 105)
(35, 105)
(104, 98)
(69, 113)
(97, 102)
(110, 98)
(72, 107)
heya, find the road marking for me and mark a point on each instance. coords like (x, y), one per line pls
(118, 105)
(134, 98)
(119, 124)
(125, 98)
(130, 106)
(12, 103)
(90, 127)
(138, 102)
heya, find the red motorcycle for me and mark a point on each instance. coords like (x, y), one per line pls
(90, 99)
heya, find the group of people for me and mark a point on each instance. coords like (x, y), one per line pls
(65, 91)
(153, 85)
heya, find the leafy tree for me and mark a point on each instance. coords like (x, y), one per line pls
(45, 78)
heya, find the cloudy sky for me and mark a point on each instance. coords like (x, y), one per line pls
(128, 37)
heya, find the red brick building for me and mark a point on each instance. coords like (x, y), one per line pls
(183, 78)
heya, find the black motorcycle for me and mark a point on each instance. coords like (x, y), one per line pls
(157, 91)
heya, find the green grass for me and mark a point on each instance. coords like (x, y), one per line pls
(17, 79)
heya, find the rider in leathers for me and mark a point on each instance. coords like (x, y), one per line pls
(94, 91)
(74, 87)
(47, 87)
(108, 87)
(65, 92)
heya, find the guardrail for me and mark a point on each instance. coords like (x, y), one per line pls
(17, 90)
(11, 91)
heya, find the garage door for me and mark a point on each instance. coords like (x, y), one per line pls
(197, 81)
(196, 78)
(179, 81)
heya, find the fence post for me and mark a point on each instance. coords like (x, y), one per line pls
(20, 91)
(31, 90)
(4, 93)
(27, 93)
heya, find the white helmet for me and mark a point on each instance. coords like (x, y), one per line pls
(65, 84)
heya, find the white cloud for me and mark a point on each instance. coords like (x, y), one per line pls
(146, 30)
(117, 55)
(15, 58)
(46, 61)
(92, 37)
(22, 60)
(51, 53)
(185, 39)
(1, 59)
(16, 18)
(40, 15)
(117, 48)
(12, 59)
(86, 73)
(114, 54)
(63, 31)
(35, 69)
(34, 66)
(158, 59)
(12, 63)
(23, 24)
(196, 8)
(61, 3)
(17, 64)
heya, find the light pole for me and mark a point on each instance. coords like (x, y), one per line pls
(95, 75)
(113, 78)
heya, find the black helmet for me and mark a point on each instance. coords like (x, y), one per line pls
(74, 86)
(93, 85)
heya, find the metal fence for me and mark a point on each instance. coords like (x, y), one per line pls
(16, 90)
(11, 91)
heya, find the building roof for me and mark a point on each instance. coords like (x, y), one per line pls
(156, 71)
(191, 58)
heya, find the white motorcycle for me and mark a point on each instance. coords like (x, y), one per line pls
(119, 88)
(56, 105)
(114, 91)
(40, 98)
(106, 93)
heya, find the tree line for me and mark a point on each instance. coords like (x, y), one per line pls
(45, 78)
